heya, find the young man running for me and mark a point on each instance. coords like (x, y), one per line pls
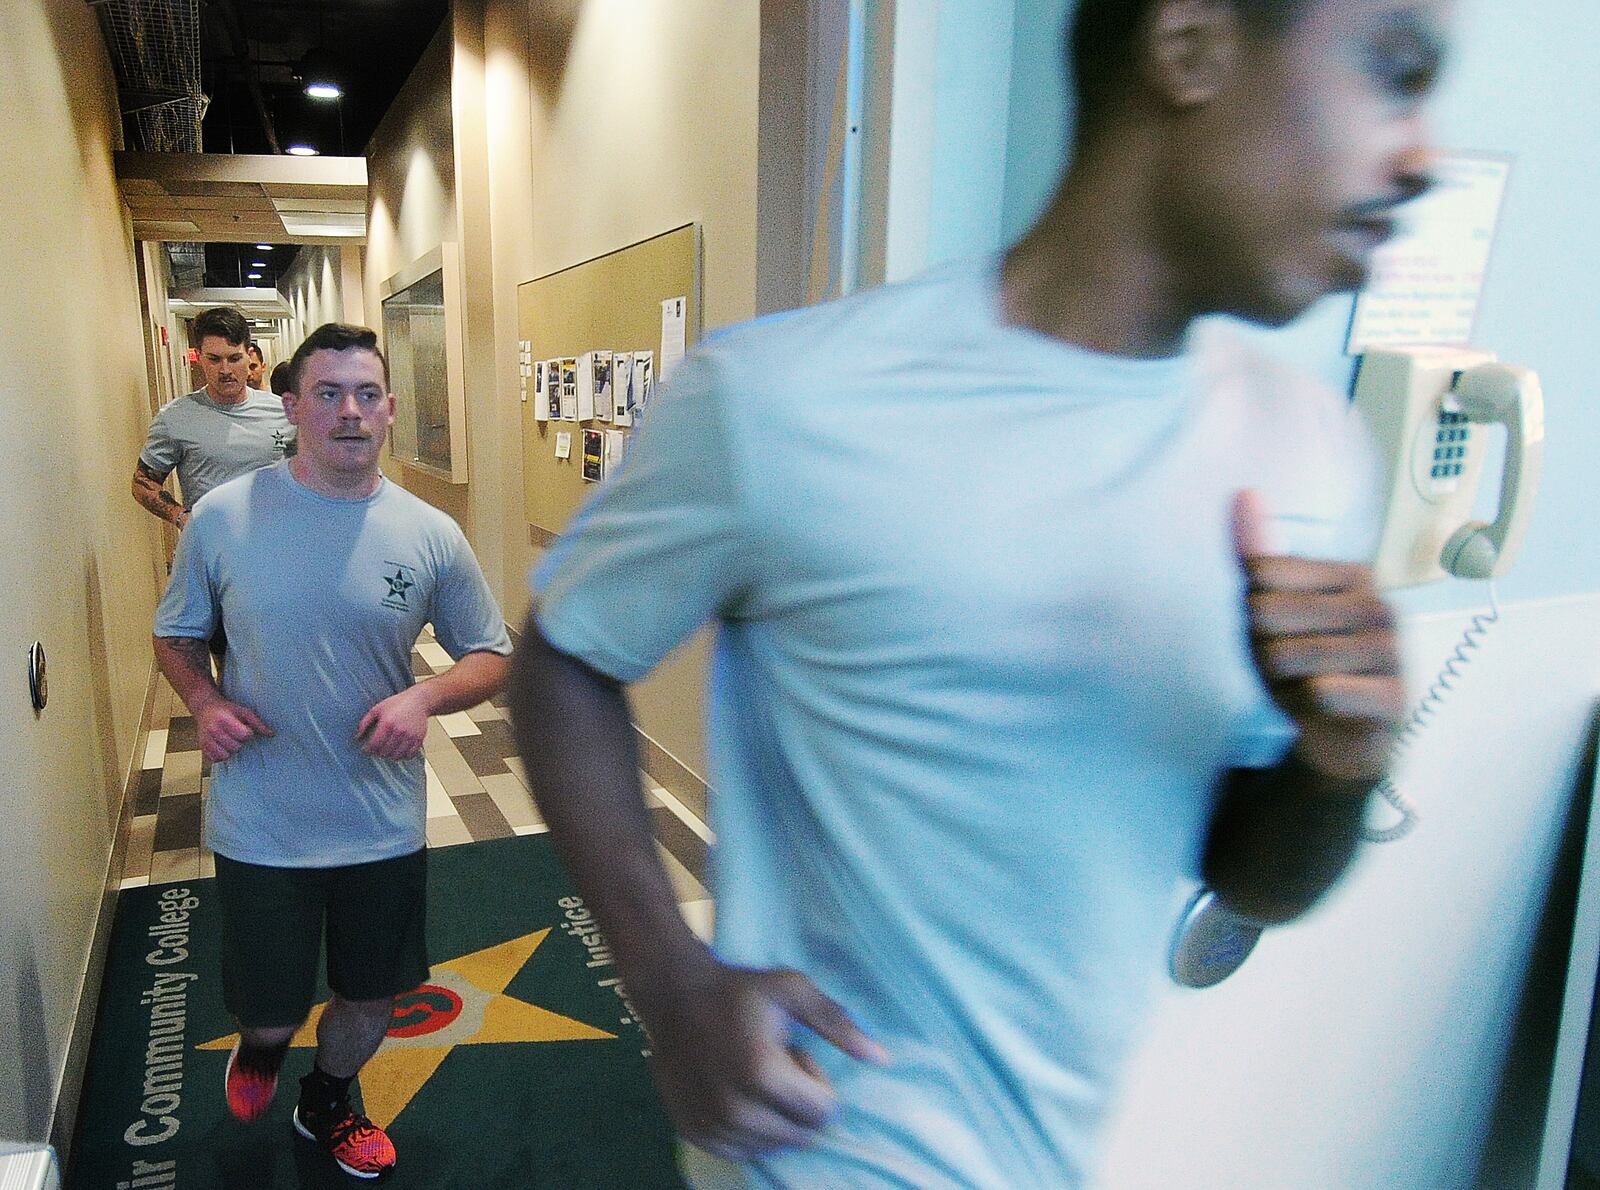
(326, 572)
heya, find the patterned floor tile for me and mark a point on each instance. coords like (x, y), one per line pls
(699, 915)
(481, 755)
(484, 712)
(439, 804)
(687, 847)
(447, 832)
(175, 865)
(147, 792)
(141, 844)
(178, 823)
(514, 763)
(684, 886)
(182, 736)
(433, 653)
(155, 748)
(513, 799)
(482, 816)
(458, 724)
(181, 774)
(453, 770)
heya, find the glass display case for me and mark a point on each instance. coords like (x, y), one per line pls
(422, 340)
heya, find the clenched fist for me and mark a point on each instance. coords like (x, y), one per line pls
(1324, 645)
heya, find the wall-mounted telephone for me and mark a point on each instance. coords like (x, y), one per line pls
(1428, 409)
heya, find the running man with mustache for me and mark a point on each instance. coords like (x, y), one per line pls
(326, 573)
(1032, 598)
(215, 433)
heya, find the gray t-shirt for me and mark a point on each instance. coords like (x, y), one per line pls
(323, 599)
(981, 660)
(210, 443)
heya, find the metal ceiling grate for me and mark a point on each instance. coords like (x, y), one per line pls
(155, 51)
(187, 265)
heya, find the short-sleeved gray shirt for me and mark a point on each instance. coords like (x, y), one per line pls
(209, 443)
(323, 599)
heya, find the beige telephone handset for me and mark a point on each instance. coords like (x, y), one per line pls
(1428, 409)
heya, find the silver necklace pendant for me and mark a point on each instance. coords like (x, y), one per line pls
(1211, 942)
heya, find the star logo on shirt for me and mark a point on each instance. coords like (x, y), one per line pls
(280, 441)
(400, 582)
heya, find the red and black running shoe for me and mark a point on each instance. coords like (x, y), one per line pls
(249, 1086)
(362, 1149)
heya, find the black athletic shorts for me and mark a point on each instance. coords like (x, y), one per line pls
(273, 923)
(218, 644)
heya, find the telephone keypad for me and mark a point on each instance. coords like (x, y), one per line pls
(1450, 450)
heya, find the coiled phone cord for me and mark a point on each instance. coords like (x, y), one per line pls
(1427, 707)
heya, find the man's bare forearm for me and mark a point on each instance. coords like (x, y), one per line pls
(186, 663)
(476, 678)
(577, 743)
(149, 492)
(1281, 837)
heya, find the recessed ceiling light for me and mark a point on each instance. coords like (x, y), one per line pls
(301, 151)
(324, 91)
(253, 277)
(258, 264)
(263, 247)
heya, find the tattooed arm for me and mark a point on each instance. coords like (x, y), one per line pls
(148, 491)
(223, 726)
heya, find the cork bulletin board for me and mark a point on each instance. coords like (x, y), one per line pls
(610, 303)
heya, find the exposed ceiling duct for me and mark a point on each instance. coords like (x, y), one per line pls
(187, 265)
(155, 52)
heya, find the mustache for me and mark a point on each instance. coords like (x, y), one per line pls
(1384, 206)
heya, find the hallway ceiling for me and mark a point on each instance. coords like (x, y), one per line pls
(252, 49)
(226, 77)
(227, 216)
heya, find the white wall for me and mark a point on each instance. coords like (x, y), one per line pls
(939, 77)
(1362, 1047)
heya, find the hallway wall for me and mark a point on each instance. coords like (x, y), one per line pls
(411, 210)
(525, 174)
(314, 289)
(82, 560)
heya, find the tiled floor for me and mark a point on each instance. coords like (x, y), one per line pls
(476, 791)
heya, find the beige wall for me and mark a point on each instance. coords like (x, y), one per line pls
(411, 197)
(543, 99)
(313, 287)
(81, 559)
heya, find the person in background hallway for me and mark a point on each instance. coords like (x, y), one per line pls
(280, 378)
(326, 573)
(215, 433)
(256, 364)
(1033, 598)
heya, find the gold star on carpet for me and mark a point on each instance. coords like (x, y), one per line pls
(463, 1003)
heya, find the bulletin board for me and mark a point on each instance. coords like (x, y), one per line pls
(610, 303)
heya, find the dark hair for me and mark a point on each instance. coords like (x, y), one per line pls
(254, 349)
(335, 336)
(224, 322)
(1103, 51)
(279, 381)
